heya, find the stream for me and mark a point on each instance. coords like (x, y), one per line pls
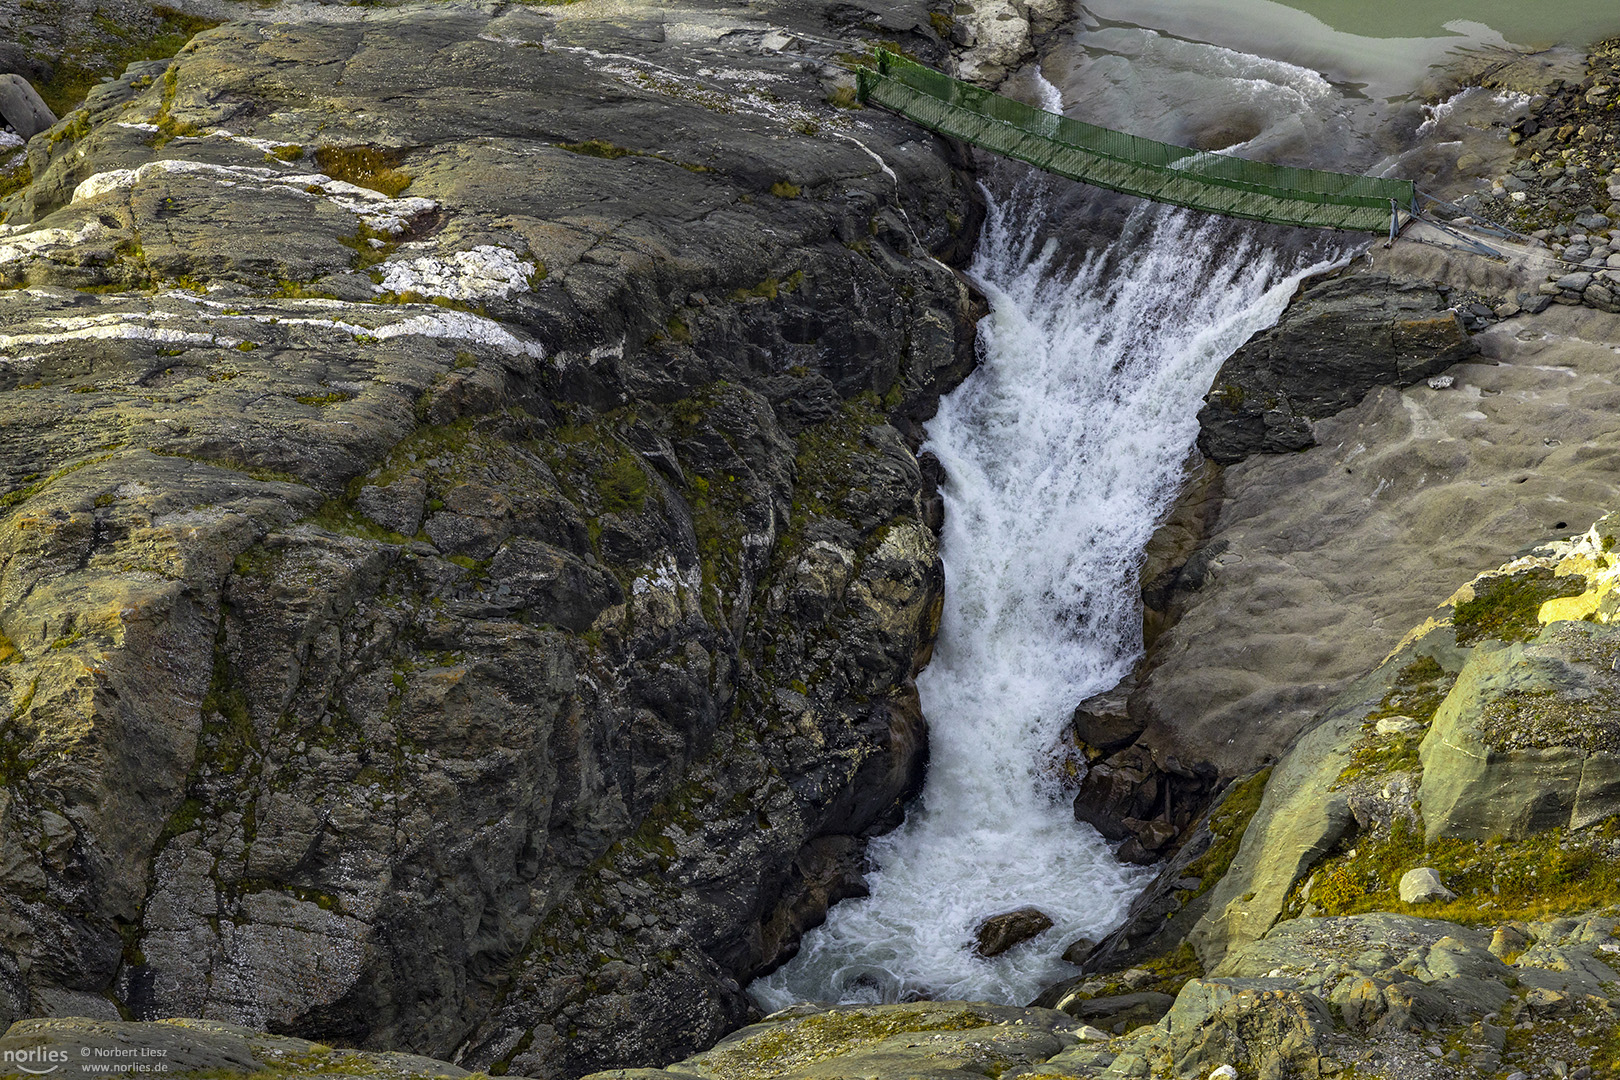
(1065, 446)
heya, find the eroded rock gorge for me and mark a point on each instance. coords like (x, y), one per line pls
(465, 555)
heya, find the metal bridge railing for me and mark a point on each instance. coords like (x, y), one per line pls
(1164, 172)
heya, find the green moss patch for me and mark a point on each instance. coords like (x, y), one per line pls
(339, 516)
(600, 148)
(14, 179)
(1418, 690)
(598, 471)
(798, 1043)
(368, 254)
(1553, 873)
(364, 166)
(1505, 607)
(1228, 823)
(75, 76)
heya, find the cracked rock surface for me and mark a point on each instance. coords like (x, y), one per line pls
(463, 555)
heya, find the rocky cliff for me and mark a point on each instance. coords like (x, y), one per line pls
(462, 553)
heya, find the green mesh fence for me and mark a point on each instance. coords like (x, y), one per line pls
(1112, 159)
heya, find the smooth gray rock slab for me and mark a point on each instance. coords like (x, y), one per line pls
(22, 107)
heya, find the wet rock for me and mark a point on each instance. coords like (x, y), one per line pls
(1148, 840)
(1077, 950)
(1338, 340)
(1422, 886)
(1122, 787)
(1104, 724)
(999, 933)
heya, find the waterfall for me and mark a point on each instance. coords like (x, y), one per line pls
(1061, 450)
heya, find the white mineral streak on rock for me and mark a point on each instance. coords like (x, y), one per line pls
(42, 240)
(117, 332)
(377, 210)
(741, 91)
(431, 322)
(483, 272)
(463, 326)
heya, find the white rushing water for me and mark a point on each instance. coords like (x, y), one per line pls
(1061, 450)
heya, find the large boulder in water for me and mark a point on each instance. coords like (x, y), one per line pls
(1001, 932)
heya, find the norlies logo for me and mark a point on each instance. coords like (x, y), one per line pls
(36, 1060)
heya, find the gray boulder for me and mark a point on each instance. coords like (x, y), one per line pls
(1423, 885)
(1529, 739)
(22, 108)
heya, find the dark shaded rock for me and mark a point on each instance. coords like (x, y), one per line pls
(1148, 839)
(476, 537)
(15, 60)
(1078, 950)
(1130, 1009)
(549, 585)
(1104, 724)
(826, 870)
(1123, 786)
(1338, 339)
(397, 506)
(999, 933)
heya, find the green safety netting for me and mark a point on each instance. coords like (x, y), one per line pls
(1154, 170)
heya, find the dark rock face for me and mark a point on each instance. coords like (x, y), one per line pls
(1001, 932)
(509, 677)
(1338, 339)
(1133, 797)
(1127, 1010)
